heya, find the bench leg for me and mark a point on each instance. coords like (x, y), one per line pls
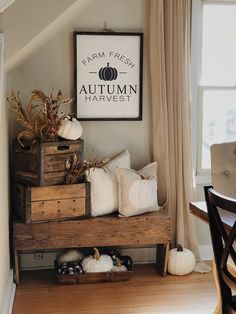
(17, 268)
(161, 258)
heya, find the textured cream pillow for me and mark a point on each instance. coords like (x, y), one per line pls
(137, 190)
(104, 185)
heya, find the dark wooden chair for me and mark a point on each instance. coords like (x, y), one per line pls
(223, 249)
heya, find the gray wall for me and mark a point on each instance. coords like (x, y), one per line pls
(52, 65)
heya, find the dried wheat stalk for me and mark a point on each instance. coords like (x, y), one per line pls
(75, 169)
(50, 107)
(29, 118)
(40, 120)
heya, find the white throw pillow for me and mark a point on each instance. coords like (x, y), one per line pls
(104, 185)
(137, 190)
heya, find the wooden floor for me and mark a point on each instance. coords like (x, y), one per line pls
(146, 293)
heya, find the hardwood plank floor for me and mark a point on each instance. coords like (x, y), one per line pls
(146, 293)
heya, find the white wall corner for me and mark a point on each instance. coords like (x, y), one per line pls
(9, 295)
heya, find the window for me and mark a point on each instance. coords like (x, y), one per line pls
(214, 76)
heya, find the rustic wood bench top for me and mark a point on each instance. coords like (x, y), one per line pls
(110, 230)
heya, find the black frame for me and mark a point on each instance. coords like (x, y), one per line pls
(140, 35)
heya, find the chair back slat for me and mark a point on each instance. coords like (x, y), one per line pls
(222, 241)
(221, 201)
(229, 249)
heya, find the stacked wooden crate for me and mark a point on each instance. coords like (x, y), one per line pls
(40, 192)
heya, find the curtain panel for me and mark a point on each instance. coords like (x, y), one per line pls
(169, 54)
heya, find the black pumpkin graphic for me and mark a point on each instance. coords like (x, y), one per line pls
(107, 73)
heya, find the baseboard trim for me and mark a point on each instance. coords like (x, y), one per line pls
(139, 256)
(9, 295)
(206, 252)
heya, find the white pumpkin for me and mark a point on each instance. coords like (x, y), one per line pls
(97, 263)
(181, 261)
(70, 129)
(119, 266)
(70, 256)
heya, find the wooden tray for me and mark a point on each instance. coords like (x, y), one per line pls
(95, 277)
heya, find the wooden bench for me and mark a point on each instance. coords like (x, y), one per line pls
(147, 229)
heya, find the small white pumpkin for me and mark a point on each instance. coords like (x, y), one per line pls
(119, 266)
(181, 261)
(70, 129)
(97, 263)
(70, 256)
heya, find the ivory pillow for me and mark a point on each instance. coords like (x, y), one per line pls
(137, 190)
(104, 185)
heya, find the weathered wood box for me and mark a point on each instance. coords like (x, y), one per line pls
(43, 164)
(95, 277)
(112, 276)
(56, 202)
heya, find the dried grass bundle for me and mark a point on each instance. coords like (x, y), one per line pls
(76, 170)
(41, 119)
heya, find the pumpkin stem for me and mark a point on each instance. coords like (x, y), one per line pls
(179, 248)
(108, 64)
(96, 255)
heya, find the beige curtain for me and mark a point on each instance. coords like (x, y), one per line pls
(169, 48)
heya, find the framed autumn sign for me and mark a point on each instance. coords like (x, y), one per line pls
(108, 75)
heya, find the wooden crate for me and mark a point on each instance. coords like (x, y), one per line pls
(56, 202)
(43, 164)
(95, 277)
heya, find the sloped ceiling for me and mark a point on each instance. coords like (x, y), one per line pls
(25, 19)
(5, 4)
(28, 24)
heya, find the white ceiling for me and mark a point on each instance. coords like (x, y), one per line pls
(4, 4)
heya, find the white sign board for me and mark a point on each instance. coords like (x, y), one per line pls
(108, 76)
